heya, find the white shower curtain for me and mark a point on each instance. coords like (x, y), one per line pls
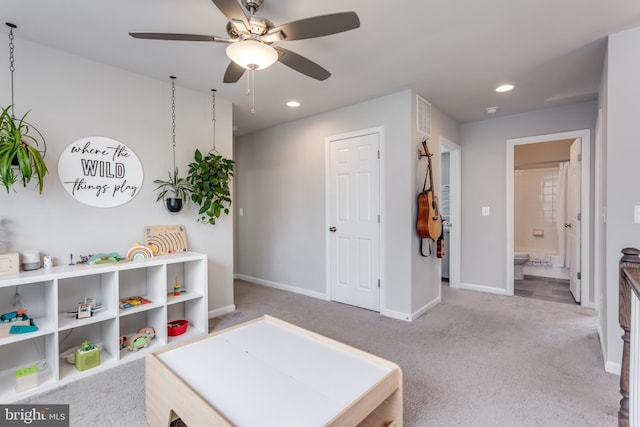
(561, 215)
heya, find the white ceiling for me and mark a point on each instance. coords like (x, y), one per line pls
(452, 52)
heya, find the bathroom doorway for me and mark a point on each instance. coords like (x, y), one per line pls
(531, 165)
(450, 179)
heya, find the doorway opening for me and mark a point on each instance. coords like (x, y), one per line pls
(567, 259)
(450, 180)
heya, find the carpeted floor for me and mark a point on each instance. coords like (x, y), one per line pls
(474, 360)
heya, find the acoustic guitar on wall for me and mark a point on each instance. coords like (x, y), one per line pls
(429, 221)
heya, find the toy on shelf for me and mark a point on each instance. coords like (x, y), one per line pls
(142, 338)
(177, 327)
(14, 316)
(124, 342)
(87, 356)
(133, 302)
(177, 289)
(104, 258)
(16, 322)
(138, 252)
(86, 308)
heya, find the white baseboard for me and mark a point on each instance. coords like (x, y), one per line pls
(425, 308)
(482, 288)
(613, 367)
(398, 315)
(284, 287)
(222, 310)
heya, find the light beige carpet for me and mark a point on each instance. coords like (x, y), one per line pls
(474, 360)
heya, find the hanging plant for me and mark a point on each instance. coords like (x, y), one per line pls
(210, 178)
(21, 156)
(20, 161)
(177, 188)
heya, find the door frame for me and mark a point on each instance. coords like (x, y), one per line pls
(379, 130)
(455, 216)
(585, 195)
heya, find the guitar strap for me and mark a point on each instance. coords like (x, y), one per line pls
(422, 239)
(424, 185)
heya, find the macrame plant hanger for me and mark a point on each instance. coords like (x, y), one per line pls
(213, 120)
(38, 138)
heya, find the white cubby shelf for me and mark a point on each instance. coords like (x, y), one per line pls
(51, 295)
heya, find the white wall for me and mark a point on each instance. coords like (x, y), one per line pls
(483, 184)
(71, 98)
(622, 172)
(281, 189)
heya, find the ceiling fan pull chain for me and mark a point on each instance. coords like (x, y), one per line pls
(253, 91)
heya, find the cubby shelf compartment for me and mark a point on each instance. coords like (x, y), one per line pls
(49, 295)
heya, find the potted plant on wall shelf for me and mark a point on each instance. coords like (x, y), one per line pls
(179, 188)
(210, 178)
(20, 160)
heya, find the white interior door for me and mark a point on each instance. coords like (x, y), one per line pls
(354, 221)
(573, 214)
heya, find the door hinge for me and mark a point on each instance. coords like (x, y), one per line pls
(579, 157)
(579, 216)
(378, 154)
(378, 219)
(378, 283)
(579, 276)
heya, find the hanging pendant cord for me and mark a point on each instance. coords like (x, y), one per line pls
(12, 67)
(173, 118)
(213, 117)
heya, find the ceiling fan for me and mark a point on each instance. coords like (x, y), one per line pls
(251, 38)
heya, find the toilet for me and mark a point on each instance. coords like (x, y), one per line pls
(519, 259)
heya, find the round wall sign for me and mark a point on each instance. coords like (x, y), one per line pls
(100, 172)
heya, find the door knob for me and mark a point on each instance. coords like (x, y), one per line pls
(332, 229)
(567, 226)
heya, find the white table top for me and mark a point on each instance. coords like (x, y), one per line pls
(267, 374)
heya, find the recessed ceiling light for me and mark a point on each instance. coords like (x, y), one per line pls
(505, 88)
(491, 110)
(293, 104)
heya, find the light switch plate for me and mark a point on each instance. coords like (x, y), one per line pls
(636, 214)
(485, 211)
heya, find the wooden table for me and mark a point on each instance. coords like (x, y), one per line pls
(267, 372)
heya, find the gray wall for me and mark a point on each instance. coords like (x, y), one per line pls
(484, 184)
(281, 237)
(71, 98)
(620, 105)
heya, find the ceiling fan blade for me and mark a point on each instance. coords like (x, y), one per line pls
(301, 64)
(233, 73)
(181, 37)
(319, 26)
(232, 10)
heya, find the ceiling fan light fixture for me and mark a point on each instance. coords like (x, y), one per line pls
(252, 54)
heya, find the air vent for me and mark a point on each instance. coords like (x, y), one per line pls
(424, 115)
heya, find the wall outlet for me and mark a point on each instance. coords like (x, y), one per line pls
(636, 214)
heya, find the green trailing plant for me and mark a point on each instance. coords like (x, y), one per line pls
(20, 160)
(210, 178)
